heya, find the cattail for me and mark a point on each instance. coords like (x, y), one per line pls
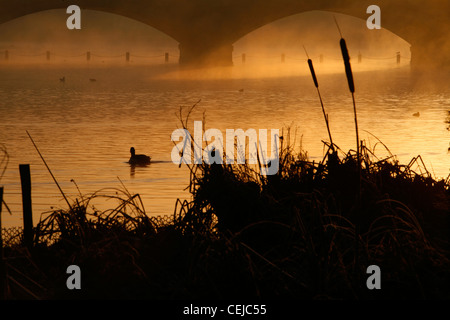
(348, 67)
(351, 85)
(313, 74)
(311, 68)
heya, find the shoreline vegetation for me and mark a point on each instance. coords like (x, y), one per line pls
(308, 232)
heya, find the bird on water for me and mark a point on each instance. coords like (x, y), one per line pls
(138, 159)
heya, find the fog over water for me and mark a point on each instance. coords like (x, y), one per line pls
(84, 128)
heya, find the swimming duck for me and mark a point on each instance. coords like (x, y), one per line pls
(138, 159)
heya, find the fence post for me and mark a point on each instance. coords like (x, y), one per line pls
(2, 261)
(398, 57)
(25, 179)
(166, 57)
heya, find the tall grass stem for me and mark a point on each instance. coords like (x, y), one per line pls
(316, 84)
(45, 163)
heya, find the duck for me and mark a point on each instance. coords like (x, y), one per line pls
(417, 114)
(138, 159)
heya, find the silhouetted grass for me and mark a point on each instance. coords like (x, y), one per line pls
(304, 234)
(297, 234)
(308, 232)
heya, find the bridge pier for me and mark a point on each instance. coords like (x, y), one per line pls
(430, 53)
(205, 54)
(429, 60)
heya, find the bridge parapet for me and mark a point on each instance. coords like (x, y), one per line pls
(206, 30)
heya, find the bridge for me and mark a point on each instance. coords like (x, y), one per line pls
(207, 29)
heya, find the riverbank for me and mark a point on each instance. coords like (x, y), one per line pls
(308, 232)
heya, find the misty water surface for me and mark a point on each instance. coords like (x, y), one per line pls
(84, 129)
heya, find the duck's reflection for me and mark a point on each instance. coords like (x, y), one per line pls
(133, 168)
(132, 171)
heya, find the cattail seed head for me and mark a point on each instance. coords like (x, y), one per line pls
(313, 74)
(348, 67)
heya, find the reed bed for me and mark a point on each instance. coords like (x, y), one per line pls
(303, 232)
(299, 234)
(308, 232)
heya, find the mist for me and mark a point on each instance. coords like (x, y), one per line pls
(276, 49)
(105, 35)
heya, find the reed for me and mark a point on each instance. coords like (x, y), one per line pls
(351, 84)
(244, 235)
(4, 160)
(316, 84)
(3, 166)
(45, 163)
(251, 236)
(320, 200)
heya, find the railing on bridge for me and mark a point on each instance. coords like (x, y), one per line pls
(9, 55)
(282, 58)
(167, 57)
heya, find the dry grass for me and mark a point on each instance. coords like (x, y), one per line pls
(308, 232)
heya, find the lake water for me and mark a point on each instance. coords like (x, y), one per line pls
(84, 129)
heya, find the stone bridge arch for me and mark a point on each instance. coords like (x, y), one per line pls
(207, 29)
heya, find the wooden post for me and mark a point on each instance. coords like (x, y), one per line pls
(243, 58)
(25, 179)
(88, 56)
(2, 261)
(166, 57)
(398, 57)
(127, 56)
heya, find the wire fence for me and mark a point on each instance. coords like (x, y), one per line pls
(12, 236)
